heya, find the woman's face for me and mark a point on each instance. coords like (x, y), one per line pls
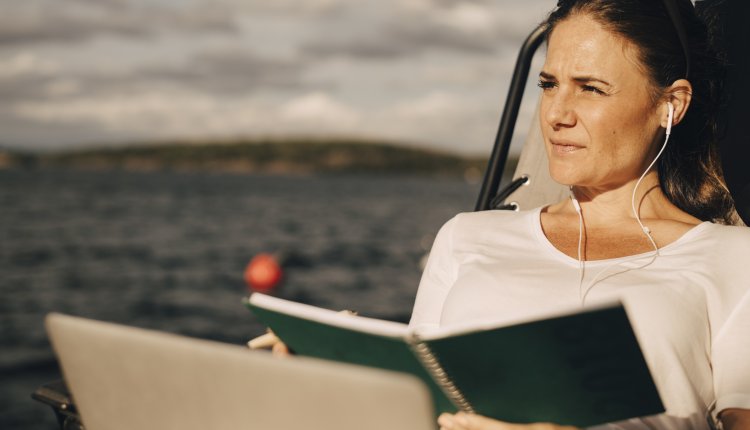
(598, 117)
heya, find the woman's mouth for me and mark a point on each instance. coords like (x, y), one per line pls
(563, 147)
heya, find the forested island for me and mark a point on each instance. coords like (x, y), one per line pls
(292, 156)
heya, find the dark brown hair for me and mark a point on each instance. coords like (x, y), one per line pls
(689, 169)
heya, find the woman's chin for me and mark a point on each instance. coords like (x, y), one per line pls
(564, 176)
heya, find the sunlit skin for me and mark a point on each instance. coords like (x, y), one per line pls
(598, 119)
(603, 122)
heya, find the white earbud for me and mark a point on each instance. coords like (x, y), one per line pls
(576, 205)
(574, 200)
(670, 118)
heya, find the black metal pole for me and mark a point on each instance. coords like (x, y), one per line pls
(508, 120)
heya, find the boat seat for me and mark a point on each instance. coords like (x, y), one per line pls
(539, 189)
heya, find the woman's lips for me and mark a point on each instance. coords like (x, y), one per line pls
(561, 147)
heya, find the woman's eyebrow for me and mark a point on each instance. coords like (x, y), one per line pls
(580, 79)
(545, 75)
(588, 79)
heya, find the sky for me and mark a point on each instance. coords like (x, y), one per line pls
(431, 73)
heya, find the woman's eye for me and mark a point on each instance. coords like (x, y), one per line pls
(546, 85)
(593, 89)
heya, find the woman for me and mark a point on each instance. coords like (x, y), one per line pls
(615, 79)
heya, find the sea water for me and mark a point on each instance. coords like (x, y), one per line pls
(167, 250)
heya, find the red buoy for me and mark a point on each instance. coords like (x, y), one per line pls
(263, 273)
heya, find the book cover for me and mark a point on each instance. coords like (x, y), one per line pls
(581, 368)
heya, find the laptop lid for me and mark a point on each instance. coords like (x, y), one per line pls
(129, 378)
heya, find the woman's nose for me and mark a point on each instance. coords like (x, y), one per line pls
(560, 112)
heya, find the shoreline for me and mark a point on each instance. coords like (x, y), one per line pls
(292, 157)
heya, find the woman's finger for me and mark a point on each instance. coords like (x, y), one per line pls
(280, 350)
(464, 421)
(263, 341)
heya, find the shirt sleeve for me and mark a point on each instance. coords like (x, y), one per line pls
(437, 279)
(731, 357)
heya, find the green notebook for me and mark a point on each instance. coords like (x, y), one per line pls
(582, 368)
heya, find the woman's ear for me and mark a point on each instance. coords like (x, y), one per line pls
(680, 94)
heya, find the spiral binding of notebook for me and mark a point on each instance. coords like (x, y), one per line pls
(432, 364)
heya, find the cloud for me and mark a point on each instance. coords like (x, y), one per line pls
(229, 71)
(184, 113)
(26, 75)
(399, 40)
(121, 112)
(450, 121)
(290, 7)
(389, 33)
(52, 21)
(320, 109)
(144, 116)
(431, 107)
(468, 17)
(26, 64)
(406, 28)
(429, 71)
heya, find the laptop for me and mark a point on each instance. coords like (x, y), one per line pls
(123, 377)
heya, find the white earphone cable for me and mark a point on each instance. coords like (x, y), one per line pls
(581, 262)
(582, 293)
(636, 213)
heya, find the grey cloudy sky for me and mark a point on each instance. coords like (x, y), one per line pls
(426, 72)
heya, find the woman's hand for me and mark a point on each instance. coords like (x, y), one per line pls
(277, 347)
(270, 341)
(464, 421)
